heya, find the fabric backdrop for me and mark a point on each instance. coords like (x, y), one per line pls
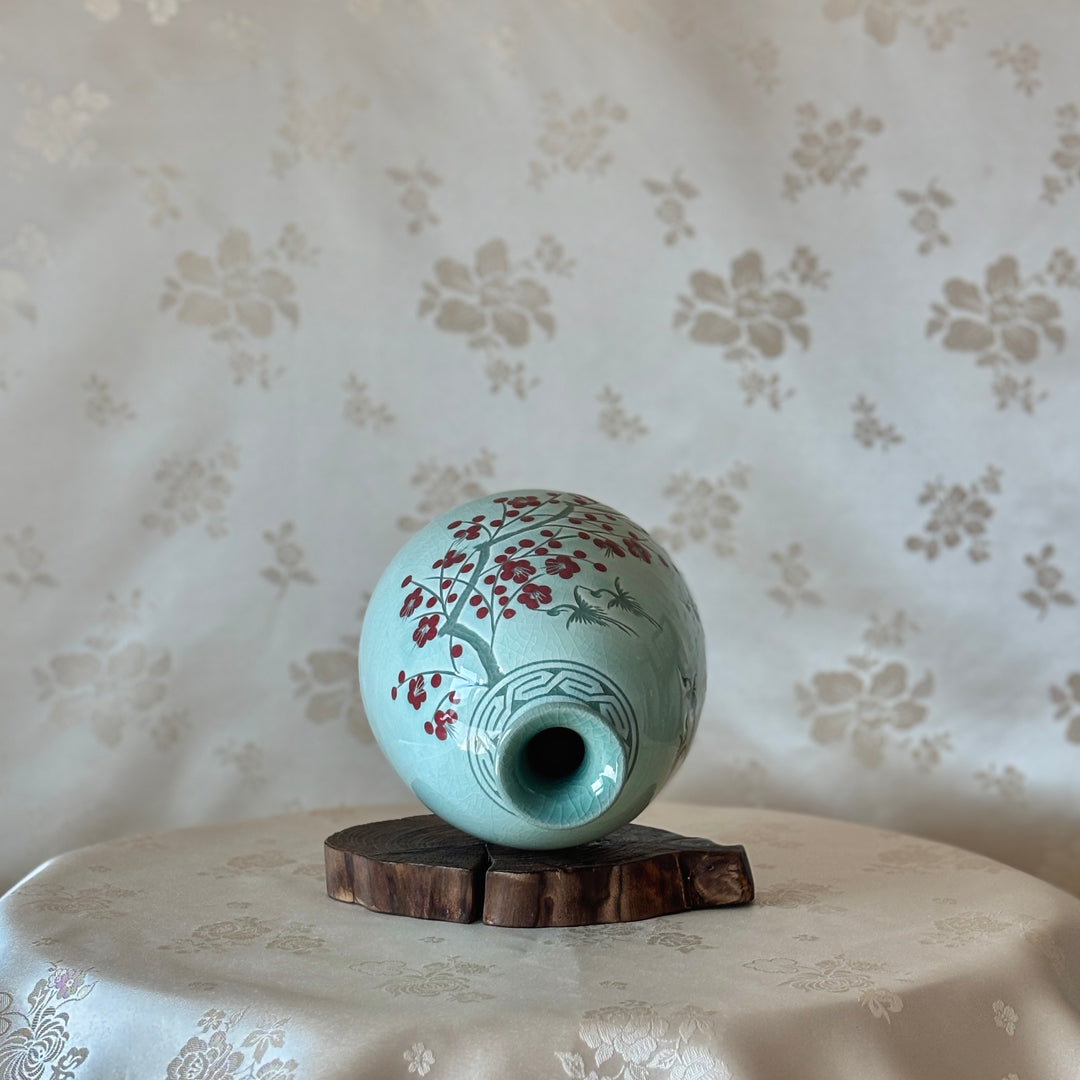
(792, 284)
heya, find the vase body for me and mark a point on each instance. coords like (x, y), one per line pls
(533, 665)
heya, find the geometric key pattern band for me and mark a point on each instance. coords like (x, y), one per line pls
(556, 681)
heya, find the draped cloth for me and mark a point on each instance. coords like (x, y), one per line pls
(215, 952)
(792, 283)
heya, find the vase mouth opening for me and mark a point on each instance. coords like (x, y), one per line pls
(560, 764)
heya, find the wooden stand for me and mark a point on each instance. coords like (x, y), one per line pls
(424, 868)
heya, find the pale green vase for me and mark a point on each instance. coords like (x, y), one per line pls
(533, 665)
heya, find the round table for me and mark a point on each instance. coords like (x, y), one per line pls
(214, 953)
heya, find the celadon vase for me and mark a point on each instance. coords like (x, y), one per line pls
(532, 664)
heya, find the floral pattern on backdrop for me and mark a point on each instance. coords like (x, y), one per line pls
(281, 282)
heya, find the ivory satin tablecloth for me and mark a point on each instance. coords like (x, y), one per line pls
(214, 953)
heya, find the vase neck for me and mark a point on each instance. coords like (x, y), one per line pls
(560, 764)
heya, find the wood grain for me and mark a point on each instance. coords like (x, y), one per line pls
(424, 868)
(417, 866)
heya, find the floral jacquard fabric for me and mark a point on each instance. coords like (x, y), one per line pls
(39, 1038)
(793, 283)
(1008, 321)
(215, 954)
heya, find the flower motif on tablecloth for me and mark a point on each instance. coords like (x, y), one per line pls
(219, 1054)
(881, 1003)
(927, 206)
(1006, 321)
(204, 1058)
(223, 935)
(84, 902)
(638, 1039)
(1066, 157)
(196, 489)
(671, 209)
(30, 571)
(923, 857)
(752, 315)
(793, 894)
(597, 937)
(39, 1038)
(259, 860)
(417, 185)
(316, 128)
(574, 138)
(238, 294)
(451, 978)
(297, 938)
(419, 1059)
(246, 930)
(494, 304)
(875, 701)
(705, 510)
(1024, 63)
(870, 430)
(115, 681)
(327, 680)
(1005, 1017)
(835, 975)
(614, 421)
(959, 515)
(828, 149)
(882, 19)
(1066, 700)
(1048, 590)
(670, 936)
(445, 486)
(60, 128)
(969, 928)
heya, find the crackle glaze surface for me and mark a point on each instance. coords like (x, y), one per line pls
(519, 600)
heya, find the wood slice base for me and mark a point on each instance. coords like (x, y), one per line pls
(424, 868)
